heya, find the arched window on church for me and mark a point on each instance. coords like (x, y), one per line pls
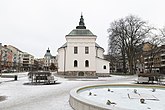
(104, 67)
(86, 63)
(75, 63)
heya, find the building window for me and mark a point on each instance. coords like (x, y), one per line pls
(104, 67)
(86, 50)
(86, 63)
(75, 63)
(75, 50)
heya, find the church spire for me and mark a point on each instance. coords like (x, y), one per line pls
(48, 51)
(81, 23)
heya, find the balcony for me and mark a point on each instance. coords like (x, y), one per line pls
(163, 54)
(145, 62)
(145, 66)
(162, 64)
(163, 59)
(145, 58)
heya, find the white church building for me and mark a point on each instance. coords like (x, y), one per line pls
(81, 55)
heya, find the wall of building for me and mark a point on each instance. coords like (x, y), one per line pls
(6, 57)
(99, 52)
(81, 57)
(60, 57)
(100, 69)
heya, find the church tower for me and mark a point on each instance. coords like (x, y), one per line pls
(47, 60)
(79, 55)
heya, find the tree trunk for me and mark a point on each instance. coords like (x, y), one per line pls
(131, 68)
(124, 65)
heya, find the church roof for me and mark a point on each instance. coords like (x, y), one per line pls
(81, 29)
(63, 46)
(80, 32)
(97, 45)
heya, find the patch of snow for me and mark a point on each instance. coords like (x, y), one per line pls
(45, 97)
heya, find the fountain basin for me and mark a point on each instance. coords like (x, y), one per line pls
(123, 97)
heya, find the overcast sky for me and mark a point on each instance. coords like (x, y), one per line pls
(34, 25)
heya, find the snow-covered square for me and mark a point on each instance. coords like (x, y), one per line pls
(20, 96)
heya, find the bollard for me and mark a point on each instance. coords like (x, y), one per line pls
(15, 77)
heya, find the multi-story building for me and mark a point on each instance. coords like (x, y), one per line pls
(28, 61)
(142, 50)
(17, 59)
(154, 60)
(13, 59)
(6, 57)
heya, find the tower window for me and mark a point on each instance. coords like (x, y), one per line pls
(86, 50)
(86, 63)
(75, 63)
(75, 50)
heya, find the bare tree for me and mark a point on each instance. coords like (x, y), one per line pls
(116, 41)
(163, 32)
(136, 31)
(127, 34)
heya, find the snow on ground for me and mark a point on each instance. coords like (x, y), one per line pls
(21, 96)
(126, 98)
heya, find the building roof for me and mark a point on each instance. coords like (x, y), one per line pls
(81, 29)
(47, 53)
(98, 46)
(63, 46)
(13, 47)
(80, 32)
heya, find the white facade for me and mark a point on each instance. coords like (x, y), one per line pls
(81, 54)
(81, 57)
